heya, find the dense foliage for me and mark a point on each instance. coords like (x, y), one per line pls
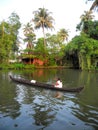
(9, 37)
(81, 52)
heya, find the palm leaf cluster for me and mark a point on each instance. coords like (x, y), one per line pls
(42, 18)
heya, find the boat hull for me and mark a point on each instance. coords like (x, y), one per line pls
(46, 86)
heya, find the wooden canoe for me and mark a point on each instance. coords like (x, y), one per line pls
(45, 85)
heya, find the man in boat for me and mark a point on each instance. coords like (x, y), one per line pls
(58, 83)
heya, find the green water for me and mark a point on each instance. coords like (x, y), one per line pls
(29, 108)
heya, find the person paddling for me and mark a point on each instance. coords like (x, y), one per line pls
(58, 83)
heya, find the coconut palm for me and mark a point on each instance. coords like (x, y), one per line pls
(28, 28)
(94, 5)
(87, 16)
(63, 34)
(42, 19)
(29, 34)
(85, 19)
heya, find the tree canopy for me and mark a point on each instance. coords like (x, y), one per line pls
(9, 40)
(43, 19)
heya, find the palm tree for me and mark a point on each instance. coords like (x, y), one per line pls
(94, 5)
(42, 19)
(29, 34)
(87, 16)
(29, 38)
(85, 19)
(28, 28)
(63, 35)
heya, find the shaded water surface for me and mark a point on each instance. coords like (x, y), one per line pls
(29, 108)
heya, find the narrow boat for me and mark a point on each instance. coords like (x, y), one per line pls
(45, 85)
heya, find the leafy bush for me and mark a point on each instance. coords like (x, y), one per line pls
(19, 66)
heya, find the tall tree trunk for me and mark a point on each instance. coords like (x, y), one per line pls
(44, 36)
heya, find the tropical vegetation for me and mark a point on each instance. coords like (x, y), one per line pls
(43, 19)
(83, 49)
(81, 52)
(9, 40)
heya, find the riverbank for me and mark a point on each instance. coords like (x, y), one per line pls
(26, 66)
(21, 66)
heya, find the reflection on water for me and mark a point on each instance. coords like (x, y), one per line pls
(23, 107)
(8, 105)
(58, 95)
(87, 113)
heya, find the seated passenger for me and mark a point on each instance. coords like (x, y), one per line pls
(58, 83)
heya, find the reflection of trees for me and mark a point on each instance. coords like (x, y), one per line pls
(45, 74)
(87, 108)
(38, 74)
(42, 102)
(25, 94)
(88, 114)
(44, 106)
(11, 109)
(8, 105)
(43, 115)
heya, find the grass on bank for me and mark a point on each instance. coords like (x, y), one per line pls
(20, 66)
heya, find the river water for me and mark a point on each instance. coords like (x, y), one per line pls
(29, 108)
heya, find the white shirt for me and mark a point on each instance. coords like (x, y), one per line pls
(59, 84)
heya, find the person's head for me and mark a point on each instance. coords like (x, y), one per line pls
(58, 79)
